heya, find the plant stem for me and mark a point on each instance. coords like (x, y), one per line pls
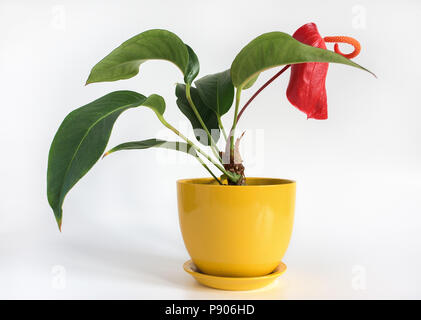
(234, 124)
(214, 148)
(261, 89)
(191, 144)
(222, 127)
(209, 170)
(237, 101)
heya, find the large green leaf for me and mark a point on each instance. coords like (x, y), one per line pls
(207, 115)
(217, 91)
(124, 61)
(81, 140)
(157, 143)
(275, 49)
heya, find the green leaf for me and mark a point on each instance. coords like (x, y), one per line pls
(208, 116)
(216, 91)
(124, 61)
(150, 143)
(193, 66)
(275, 49)
(81, 140)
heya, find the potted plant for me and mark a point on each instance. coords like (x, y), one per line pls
(236, 229)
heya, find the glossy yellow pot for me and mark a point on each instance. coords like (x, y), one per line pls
(236, 231)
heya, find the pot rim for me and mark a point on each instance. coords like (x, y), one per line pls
(211, 183)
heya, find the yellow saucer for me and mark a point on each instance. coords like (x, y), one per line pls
(233, 283)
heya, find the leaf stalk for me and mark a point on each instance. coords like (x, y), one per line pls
(198, 149)
(214, 148)
(234, 124)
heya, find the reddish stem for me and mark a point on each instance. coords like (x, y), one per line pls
(251, 99)
(261, 89)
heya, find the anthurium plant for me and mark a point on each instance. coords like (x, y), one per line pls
(82, 138)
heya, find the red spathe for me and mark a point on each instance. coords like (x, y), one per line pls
(306, 88)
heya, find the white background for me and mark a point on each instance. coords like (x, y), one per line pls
(358, 213)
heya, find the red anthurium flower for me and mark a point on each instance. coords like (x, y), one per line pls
(306, 88)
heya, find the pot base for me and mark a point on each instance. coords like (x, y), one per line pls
(233, 283)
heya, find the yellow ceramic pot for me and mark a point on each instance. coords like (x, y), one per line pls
(236, 231)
